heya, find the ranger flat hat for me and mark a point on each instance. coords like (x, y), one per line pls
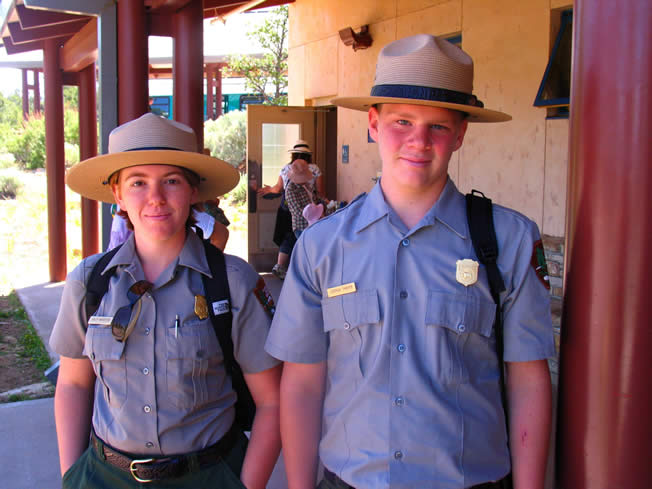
(151, 140)
(424, 70)
(300, 146)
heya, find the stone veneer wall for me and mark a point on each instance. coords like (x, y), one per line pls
(554, 250)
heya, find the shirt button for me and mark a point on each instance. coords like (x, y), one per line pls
(401, 348)
(149, 444)
(405, 242)
(147, 331)
(147, 409)
(145, 371)
(398, 455)
(347, 326)
(399, 401)
(461, 328)
(403, 294)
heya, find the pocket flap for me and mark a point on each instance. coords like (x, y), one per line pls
(351, 310)
(460, 313)
(101, 345)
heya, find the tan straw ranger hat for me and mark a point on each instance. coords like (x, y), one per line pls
(424, 70)
(151, 140)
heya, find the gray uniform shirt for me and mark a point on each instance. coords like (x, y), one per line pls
(161, 393)
(412, 397)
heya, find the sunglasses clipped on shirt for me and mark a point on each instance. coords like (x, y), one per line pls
(125, 319)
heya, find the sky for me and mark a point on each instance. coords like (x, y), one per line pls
(219, 39)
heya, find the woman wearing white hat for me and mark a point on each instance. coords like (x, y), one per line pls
(145, 375)
(284, 235)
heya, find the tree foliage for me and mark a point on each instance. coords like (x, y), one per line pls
(270, 70)
(25, 140)
(226, 137)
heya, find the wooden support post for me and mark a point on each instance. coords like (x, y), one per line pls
(88, 149)
(55, 161)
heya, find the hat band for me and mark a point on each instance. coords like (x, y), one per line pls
(153, 148)
(426, 93)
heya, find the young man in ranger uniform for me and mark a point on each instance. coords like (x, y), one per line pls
(391, 374)
(144, 375)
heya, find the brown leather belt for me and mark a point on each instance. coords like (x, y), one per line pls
(145, 469)
(340, 484)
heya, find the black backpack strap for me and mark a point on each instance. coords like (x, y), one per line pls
(98, 283)
(480, 216)
(483, 235)
(218, 298)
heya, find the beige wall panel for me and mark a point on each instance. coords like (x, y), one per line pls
(508, 40)
(409, 6)
(364, 163)
(312, 20)
(356, 76)
(438, 20)
(321, 67)
(556, 178)
(555, 4)
(296, 75)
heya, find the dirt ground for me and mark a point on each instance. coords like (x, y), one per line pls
(15, 370)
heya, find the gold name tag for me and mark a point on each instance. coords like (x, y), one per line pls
(101, 320)
(341, 290)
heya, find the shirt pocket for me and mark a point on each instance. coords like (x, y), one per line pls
(192, 365)
(458, 333)
(109, 362)
(351, 322)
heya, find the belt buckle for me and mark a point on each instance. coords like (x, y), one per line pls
(133, 469)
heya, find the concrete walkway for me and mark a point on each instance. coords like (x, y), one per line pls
(28, 449)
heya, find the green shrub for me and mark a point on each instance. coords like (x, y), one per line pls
(9, 187)
(226, 137)
(6, 161)
(28, 145)
(238, 195)
(72, 153)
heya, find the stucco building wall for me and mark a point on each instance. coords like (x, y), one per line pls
(521, 164)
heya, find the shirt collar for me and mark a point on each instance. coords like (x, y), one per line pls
(374, 208)
(192, 255)
(450, 210)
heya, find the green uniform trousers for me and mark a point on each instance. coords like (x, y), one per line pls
(90, 471)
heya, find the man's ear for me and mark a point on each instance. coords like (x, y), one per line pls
(374, 117)
(460, 134)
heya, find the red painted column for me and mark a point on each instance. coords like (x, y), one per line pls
(218, 91)
(88, 149)
(37, 94)
(605, 427)
(55, 164)
(188, 70)
(132, 60)
(25, 95)
(210, 91)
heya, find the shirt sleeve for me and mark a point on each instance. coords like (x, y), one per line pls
(527, 322)
(69, 332)
(205, 222)
(251, 308)
(297, 333)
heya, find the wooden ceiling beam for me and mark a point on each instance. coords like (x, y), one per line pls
(35, 18)
(21, 48)
(20, 35)
(81, 50)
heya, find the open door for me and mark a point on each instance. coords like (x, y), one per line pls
(271, 132)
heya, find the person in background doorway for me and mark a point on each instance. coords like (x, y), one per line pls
(283, 233)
